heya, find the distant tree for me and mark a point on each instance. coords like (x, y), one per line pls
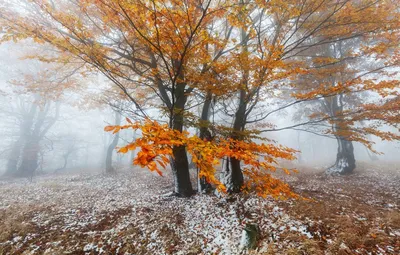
(35, 111)
(111, 147)
(350, 76)
(70, 145)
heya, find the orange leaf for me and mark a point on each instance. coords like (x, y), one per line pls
(109, 128)
(123, 150)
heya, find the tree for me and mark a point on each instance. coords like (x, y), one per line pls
(71, 147)
(174, 51)
(334, 65)
(34, 120)
(34, 111)
(31, 149)
(111, 147)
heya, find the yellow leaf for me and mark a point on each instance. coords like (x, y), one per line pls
(123, 150)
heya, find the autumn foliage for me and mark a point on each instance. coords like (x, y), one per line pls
(155, 150)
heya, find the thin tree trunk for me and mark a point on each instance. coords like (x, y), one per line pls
(109, 168)
(371, 156)
(132, 153)
(65, 157)
(65, 162)
(299, 157)
(203, 185)
(233, 179)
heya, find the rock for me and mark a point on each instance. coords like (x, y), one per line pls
(250, 235)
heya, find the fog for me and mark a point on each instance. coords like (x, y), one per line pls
(78, 132)
(199, 127)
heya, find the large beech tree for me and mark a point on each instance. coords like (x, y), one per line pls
(177, 50)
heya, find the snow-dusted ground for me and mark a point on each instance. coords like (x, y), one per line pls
(128, 214)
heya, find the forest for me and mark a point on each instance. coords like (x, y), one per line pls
(200, 127)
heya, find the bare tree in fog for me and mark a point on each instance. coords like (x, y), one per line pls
(35, 120)
(111, 147)
(71, 146)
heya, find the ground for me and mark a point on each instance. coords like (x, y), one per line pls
(128, 213)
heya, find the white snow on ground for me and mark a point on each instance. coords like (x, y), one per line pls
(128, 214)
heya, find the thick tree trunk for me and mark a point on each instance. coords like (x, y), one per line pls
(109, 168)
(12, 162)
(30, 156)
(180, 170)
(24, 133)
(180, 163)
(233, 176)
(345, 161)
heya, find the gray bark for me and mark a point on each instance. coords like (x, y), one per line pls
(233, 178)
(31, 150)
(180, 163)
(345, 161)
(13, 158)
(203, 185)
(109, 167)
(24, 132)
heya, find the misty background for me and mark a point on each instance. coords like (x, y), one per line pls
(77, 141)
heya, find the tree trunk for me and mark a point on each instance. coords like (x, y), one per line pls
(132, 153)
(233, 179)
(345, 161)
(12, 162)
(233, 172)
(233, 176)
(180, 170)
(30, 153)
(180, 163)
(371, 156)
(203, 185)
(29, 162)
(24, 134)
(65, 157)
(109, 168)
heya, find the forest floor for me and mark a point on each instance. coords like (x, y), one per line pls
(128, 214)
